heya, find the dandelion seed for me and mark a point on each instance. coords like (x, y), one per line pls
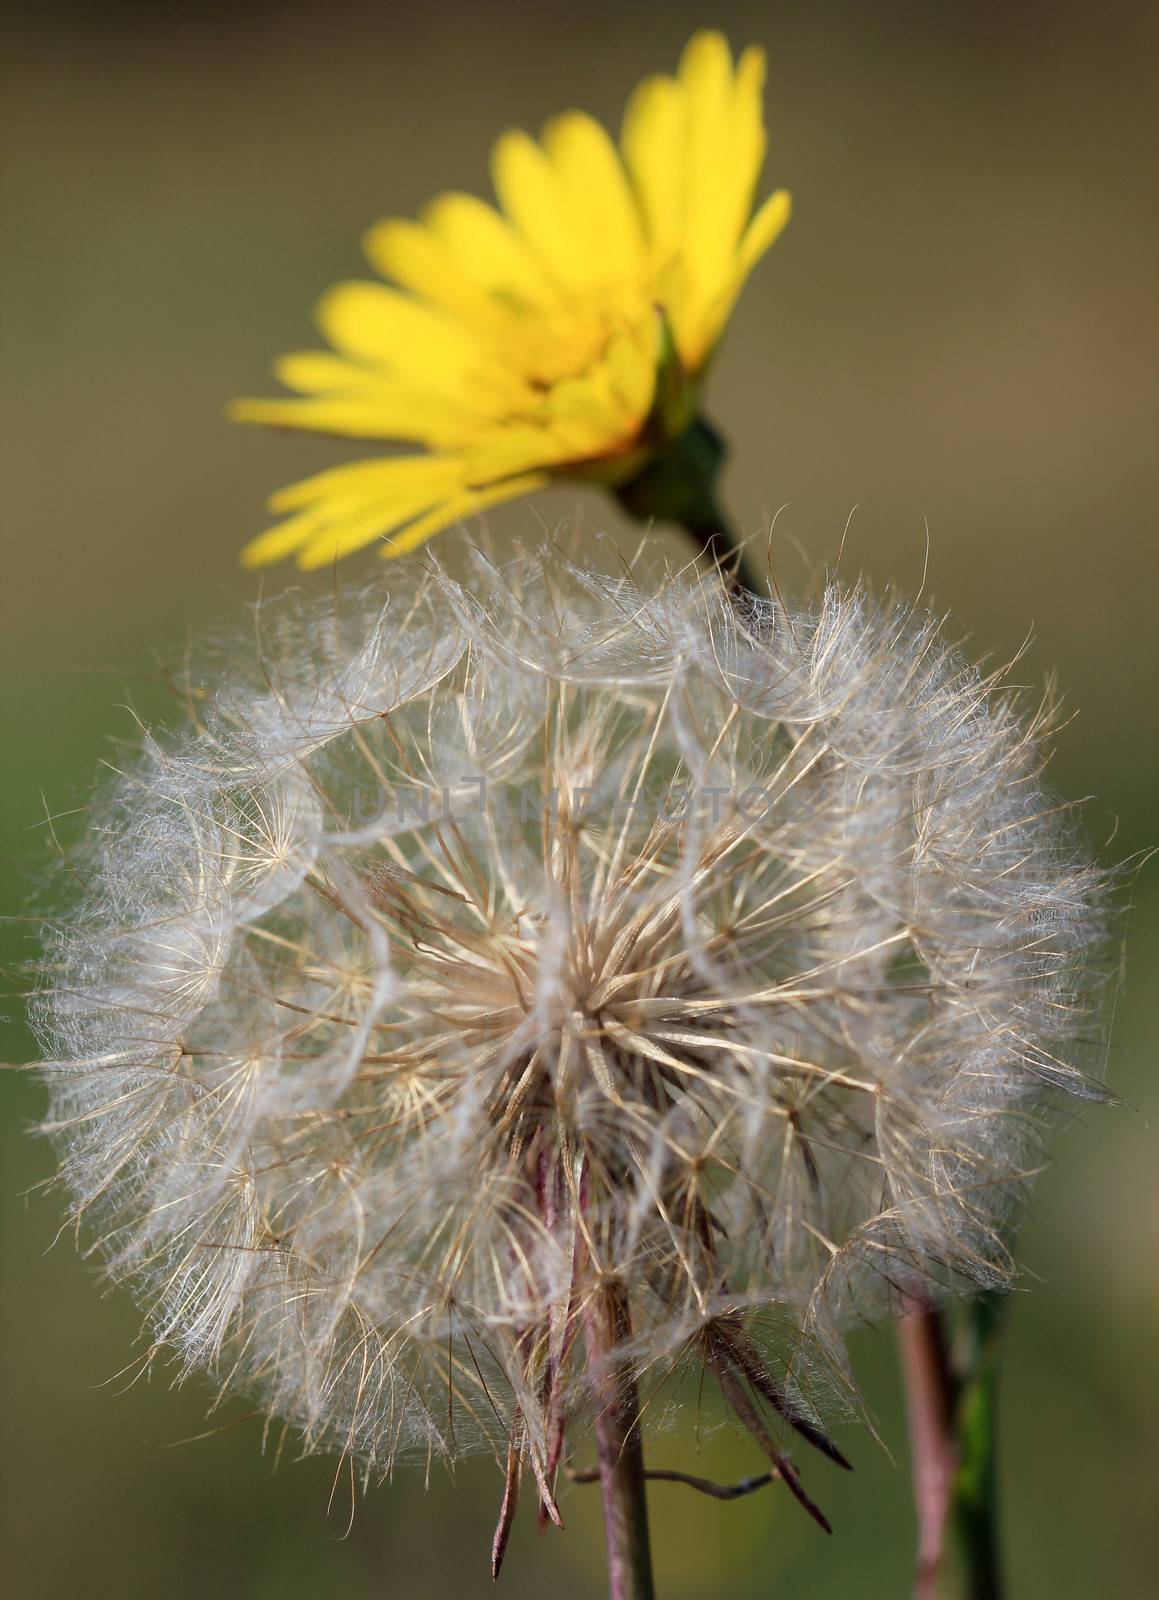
(506, 998)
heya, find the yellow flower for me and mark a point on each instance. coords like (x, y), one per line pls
(561, 335)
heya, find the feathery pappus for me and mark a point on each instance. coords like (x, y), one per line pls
(500, 993)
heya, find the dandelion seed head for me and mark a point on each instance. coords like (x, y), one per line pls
(481, 948)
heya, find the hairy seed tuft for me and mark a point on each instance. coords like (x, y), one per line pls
(481, 956)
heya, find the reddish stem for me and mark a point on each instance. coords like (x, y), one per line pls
(619, 1449)
(930, 1409)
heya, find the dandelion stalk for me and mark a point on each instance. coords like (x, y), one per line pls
(620, 1450)
(930, 1401)
(720, 547)
(680, 485)
(975, 1498)
(951, 1392)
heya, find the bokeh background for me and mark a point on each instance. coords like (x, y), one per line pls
(959, 329)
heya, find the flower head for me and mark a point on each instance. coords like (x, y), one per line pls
(563, 335)
(446, 984)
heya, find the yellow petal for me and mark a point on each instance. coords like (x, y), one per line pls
(489, 251)
(652, 140)
(602, 412)
(396, 332)
(461, 506)
(595, 190)
(585, 418)
(763, 230)
(347, 531)
(631, 363)
(355, 505)
(384, 412)
(746, 138)
(530, 193)
(319, 372)
(416, 258)
(516, 448)
(432, 350)
(705, 74)
(282, 540)
(366, 480)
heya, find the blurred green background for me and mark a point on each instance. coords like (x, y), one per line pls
(959, 326)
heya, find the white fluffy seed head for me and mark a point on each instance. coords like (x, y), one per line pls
(480, 952)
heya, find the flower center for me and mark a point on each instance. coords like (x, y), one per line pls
(571, 341)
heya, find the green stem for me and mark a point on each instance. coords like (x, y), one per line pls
(975, 1496)
(620, 1452)
(718, 546)
(679, 485)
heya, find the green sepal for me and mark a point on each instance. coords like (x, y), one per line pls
(678, 484)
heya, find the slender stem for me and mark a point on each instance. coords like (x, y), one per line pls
(951, 1407)
(718, 546)
(976, 1483)
(715, 1491)
(620, 1452)
(929, 1391)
